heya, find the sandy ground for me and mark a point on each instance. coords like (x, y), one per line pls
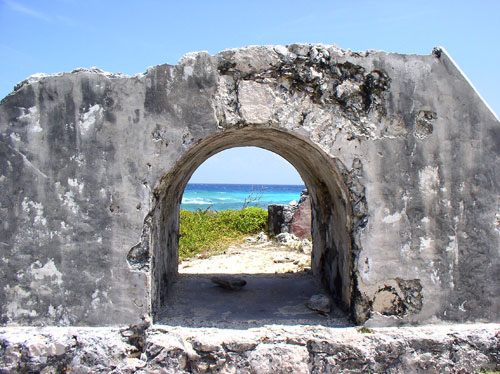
(267, 257)
(279, 284)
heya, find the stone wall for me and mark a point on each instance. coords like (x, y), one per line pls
(273, 349)
(398, 152)
(293, 218)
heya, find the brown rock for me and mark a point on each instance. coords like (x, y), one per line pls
(301, 221)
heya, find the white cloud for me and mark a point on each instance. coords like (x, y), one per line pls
(20, 8)
(25, 10)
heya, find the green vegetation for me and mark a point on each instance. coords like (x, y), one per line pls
(208, 232)
(488, 371)
(365, 330)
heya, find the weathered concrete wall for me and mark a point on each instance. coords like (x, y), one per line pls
(400, 155)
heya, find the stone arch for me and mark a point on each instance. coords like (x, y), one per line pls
(80, 151)
(331, 208)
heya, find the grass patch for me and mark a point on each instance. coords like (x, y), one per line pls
(209, 232)
(365, 330)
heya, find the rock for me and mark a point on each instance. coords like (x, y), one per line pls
(166, 351)
(295, 243)
(240, 345)
(300, 225)
(279, 358)
(307, 246)
(229, 283)
(293, 218)
(286, 238)
(206, 343)
(274, 218)
(271, 349)
(288, 212)
(262, 237)
(320, 303)
(282, 260)
(136, 334)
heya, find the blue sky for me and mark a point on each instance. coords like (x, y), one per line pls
(265, 168)
(128, 36)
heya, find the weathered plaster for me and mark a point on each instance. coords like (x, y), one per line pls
(400, 154)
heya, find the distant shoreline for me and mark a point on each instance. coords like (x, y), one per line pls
(247, 184)
(223, 196)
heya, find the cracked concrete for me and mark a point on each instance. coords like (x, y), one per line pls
(399, 153)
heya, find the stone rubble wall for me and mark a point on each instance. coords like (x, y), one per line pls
(271, 349)
(293, 218)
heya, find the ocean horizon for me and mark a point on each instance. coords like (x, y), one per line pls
(223, 196)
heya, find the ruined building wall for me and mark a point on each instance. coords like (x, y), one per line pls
(399, 152)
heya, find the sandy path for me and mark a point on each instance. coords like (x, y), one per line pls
(250, 258)
(278, 287)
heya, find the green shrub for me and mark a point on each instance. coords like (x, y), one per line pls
(207, 231)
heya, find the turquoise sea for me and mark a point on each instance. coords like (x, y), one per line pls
(233, 196)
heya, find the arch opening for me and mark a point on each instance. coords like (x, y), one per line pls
(331, 260)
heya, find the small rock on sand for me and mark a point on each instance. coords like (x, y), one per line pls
(229, 283)
(320, 303)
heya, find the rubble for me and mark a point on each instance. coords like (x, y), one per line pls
(271, 349)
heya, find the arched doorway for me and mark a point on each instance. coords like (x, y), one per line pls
(331, 209)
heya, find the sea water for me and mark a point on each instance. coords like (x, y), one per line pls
(236, 196)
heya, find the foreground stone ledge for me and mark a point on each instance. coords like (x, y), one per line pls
(269, 349)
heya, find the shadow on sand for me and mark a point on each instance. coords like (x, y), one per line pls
(195, 301)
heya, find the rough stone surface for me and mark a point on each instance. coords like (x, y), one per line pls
(293, 242)
(301, 220)
(275, 218)
(271, 349)
(293, 218)
(320, 303)
(399, 154)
